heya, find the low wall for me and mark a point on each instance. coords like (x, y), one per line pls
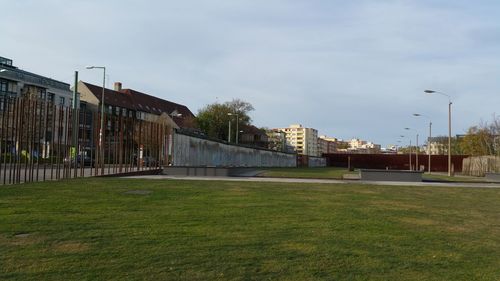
(390, 175)
(310, 161)
(494, 177)
(317, 162)
(210, 171)
(189, 151)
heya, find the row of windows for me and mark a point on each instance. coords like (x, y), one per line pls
(5, 86)
(119, 111)
(50, 97)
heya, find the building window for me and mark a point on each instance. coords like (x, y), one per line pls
(51, 97)
(61, 101)
(12, 87)
(42, 94)
(3, 86)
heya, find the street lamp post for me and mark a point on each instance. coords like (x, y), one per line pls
(409, 153)
(101, 131)
(229, 132)
(428, 139)
(449, 125)
(237, 128)
(416, 151)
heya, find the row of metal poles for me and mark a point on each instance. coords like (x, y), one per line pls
(42, 141)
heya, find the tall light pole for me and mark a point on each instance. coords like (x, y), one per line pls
(409, 153)
(237, 128)
(101, 131)
(416, 150)
(449, 125)
(428, 139)
(229, 132)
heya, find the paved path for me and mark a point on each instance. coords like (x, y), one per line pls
(324, 181)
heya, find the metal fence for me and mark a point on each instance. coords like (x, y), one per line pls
(40, 141)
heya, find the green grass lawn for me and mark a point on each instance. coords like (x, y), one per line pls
(97, 229)
(318, 173)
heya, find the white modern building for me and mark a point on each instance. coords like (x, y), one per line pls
(303, 140)
(360, 146)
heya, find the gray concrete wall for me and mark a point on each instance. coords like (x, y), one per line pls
(191, 151)
(390, 175)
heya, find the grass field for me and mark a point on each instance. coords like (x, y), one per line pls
(318, 173)
(123, 229)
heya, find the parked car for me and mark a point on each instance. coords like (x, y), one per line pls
(86, 161)
(146, 161)
(149, 161)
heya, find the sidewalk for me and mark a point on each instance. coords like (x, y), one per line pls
(321, 181)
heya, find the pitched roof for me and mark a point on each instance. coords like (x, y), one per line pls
(111, 97)
(135, 100)
(155, 105)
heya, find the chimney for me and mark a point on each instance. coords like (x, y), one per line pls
(118, 86)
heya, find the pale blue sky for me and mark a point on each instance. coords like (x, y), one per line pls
(346, 68)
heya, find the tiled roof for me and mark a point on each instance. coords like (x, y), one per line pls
(154, 105)
(131, 99)
(112, 97)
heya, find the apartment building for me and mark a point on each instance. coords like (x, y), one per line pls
(360, 146)
(18, 83)
(303, 140)
(330, 145)
(15, 82)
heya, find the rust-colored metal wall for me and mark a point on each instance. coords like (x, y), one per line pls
(439, 163)
(39, 141)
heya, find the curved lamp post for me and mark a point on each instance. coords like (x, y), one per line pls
(416, 150)
(449, 124)
(428, 139)
(101, 131)
(237, 129)
(409, 152)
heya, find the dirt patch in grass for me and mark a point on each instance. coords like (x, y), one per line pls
(458, 229)
(395, 205)
(71, 247)
(21, 239)
(139, 192)
(303, 248)
(418, 221)
(365, 191)
(238, 191)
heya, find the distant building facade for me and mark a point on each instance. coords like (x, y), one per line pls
(360, 146)
(135, 104)
(330, 145)
(303, 140)
(277, 141)
(18, 83)
(253, 136)
(15, 82)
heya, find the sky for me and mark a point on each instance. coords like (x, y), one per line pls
(350, 69)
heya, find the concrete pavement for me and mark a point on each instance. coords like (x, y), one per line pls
(321, 181)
